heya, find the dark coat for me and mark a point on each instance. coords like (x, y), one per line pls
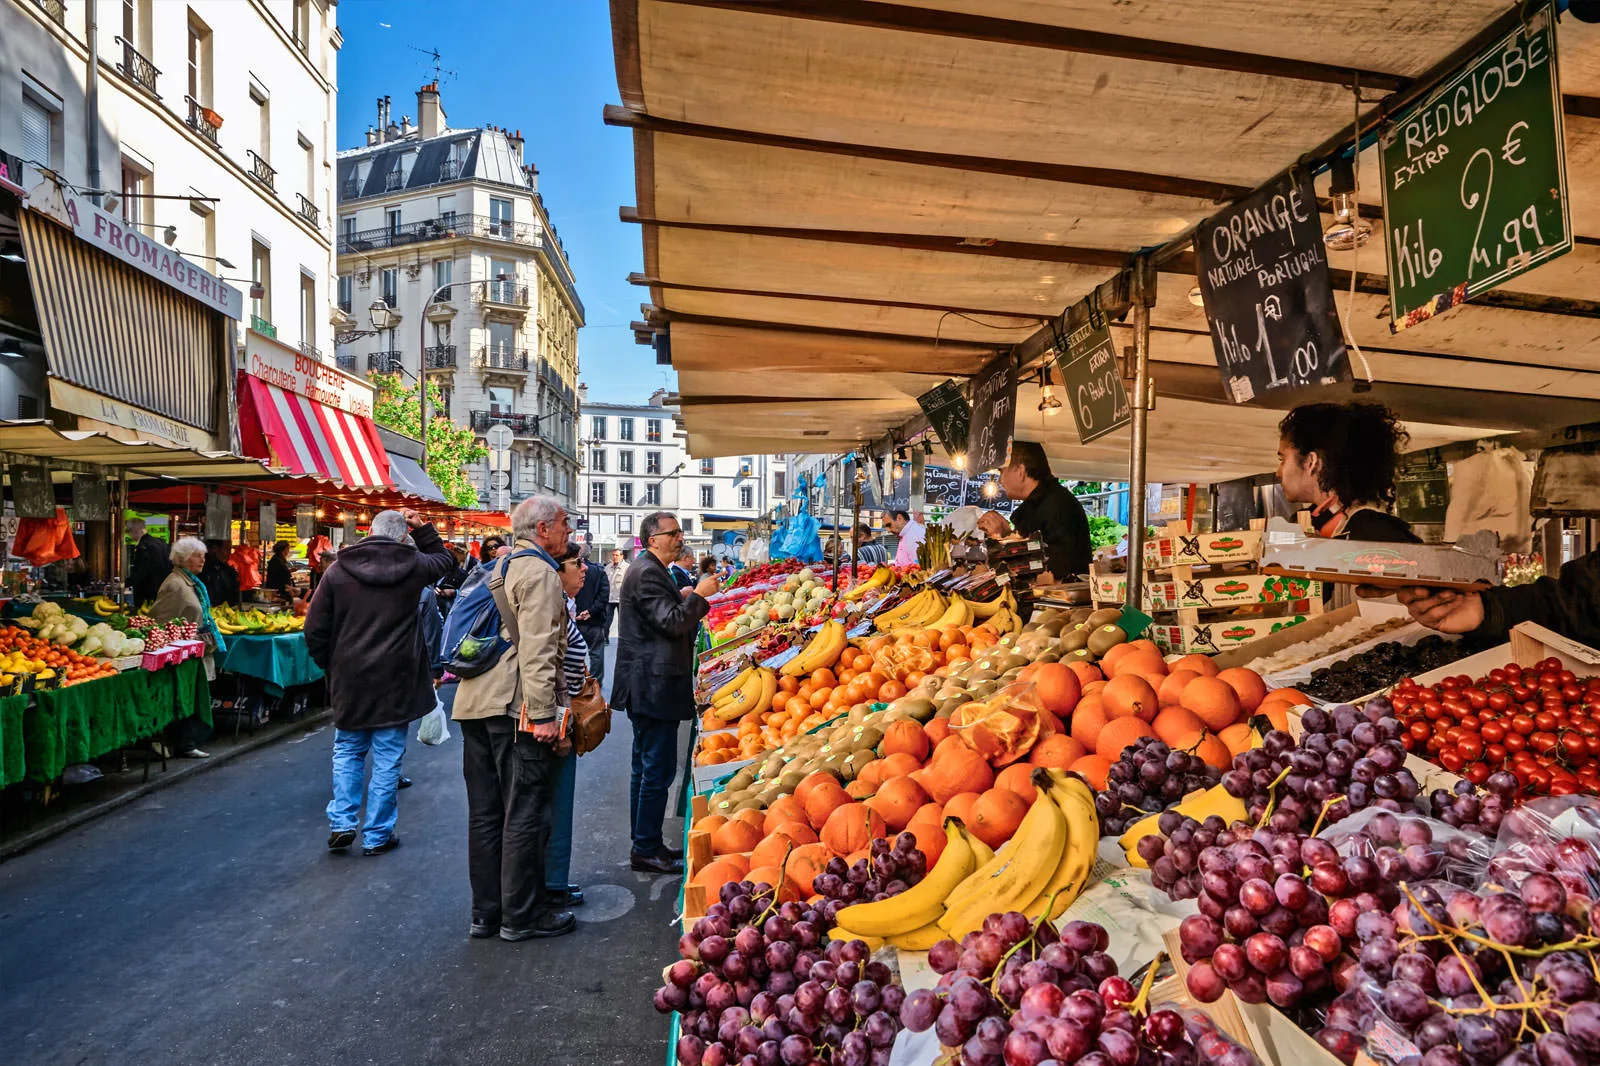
(149, 569)
(363, 629)
(221, 582)
(654, 673)
(1054, 513)
(594, 597)
(1568, 604)
(279, 577)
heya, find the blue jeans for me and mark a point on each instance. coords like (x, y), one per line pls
(655, 762)
(558, 853)
(350, 747)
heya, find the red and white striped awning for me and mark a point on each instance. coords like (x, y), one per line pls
(310, 438)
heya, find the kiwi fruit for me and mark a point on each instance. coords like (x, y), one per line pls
(790, 780)
(917, 708)
(743, 779)
(1104, 638)
(1103, 617)
(1080, 615)
(984, 689)
(1073, 640)
(1049, 655)
(869, 737)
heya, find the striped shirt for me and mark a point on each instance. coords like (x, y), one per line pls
(575, 664)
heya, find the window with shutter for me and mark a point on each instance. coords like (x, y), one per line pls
(36, 123)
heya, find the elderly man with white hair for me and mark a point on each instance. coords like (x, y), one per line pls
(363, 630)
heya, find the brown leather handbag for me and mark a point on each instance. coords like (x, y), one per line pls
(591, 716)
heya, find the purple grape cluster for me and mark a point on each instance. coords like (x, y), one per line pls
(1405, 847)
(1346, 760)
(1016, 993)
(1149, 777)
(760, 984)
(1545, 999)
(888, 870)
(1465, 808)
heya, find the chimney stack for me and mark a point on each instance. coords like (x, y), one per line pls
(430, 111)
(372, 136)
(515, 139)
(405, 125)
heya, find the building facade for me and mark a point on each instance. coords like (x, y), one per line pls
(446, 228)
(212, 133)
(636, 460)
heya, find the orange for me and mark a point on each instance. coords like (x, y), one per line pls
(1087, 722)
(1200, 664)
(1057, 687)
(1236, 737)
(822, 677)
(1214, 700)
(820, 697)
(1170, 691)
(1119, 733)
(1178, 727)
(996, 815)
(1094, 768)
(1018, 778)
(1248, 684)
(1214, 752)
(787, 684)
(1057, 752)
(1128, 694)
(891, 690)
(960, 806)
(1141, 661)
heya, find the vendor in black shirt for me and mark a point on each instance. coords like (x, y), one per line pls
(1568, 603)
(1340, 458)
(1048, 509)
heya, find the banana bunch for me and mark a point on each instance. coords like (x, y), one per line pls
(822, 650)
(919, 612)
(911, 919)
(105, 607)
(1004, 601)
(230, 620)
(1005, 620)
(752, 692)
(959, 613)
(881, 578)
(1043, 867)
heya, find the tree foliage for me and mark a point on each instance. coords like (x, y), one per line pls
(451, 447)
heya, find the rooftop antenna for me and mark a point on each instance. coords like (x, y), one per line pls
(438, 71)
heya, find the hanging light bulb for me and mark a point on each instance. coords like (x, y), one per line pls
(342, 516)
(861, 474)
(991, 489)
(899, 471)
(927, 447)
(1348, 230)
(960, 461)
(1049, 404)
(319, 512)
(363, 516)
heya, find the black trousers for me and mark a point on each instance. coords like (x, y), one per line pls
(511, 781)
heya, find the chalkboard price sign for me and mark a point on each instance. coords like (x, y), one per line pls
(1267, 292)
(994, 414)
(1475, 177)
(32, 491)
(1087, 359)
(950, 414)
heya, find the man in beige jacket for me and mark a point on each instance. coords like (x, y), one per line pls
(511, 773)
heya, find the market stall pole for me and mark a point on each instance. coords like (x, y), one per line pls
(1140, 397)
(838, 501)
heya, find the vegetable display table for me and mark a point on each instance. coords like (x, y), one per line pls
(13, 756)
(280, 659)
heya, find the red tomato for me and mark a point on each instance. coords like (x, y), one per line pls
(1495, 753)
(1470, 745)
(1516, 743)
(1573, 745)
(1523, 724)
(1477, 773)
(1499, 701)
(1451, 760)
(1494, 732)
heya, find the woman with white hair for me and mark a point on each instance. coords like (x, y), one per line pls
(183, 595)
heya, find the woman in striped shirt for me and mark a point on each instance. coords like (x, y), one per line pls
(575, 665)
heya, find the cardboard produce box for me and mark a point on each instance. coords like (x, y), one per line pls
(1225, 591)
(1471, 562)
(1213, 638)
(1200, 549)
(1109, 588)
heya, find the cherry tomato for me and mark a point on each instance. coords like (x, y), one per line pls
(1516, 743)
(1573, 745)
(1523, 724)
(1495, 753)
(1494, 732)
(1419, 731)
(1543, 742)
(1539, 779)
(1477, 773)
(1451, 759)
(1470, 745)
(1499, 701)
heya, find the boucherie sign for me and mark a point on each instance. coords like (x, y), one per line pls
(306, 375)
(123, 242)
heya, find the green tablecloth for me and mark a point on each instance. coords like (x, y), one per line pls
(73, 725)
(280, 660)
(13, 755)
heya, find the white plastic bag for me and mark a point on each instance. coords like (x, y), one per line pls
(434, 729)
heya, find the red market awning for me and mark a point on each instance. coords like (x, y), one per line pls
(310, 438)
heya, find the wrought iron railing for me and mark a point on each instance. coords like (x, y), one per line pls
(199, 119)
(450, 169)
(56, 9)
(393, 180)
(308, 210)
(137, 69)
(352, 189)
(344, 304)
(508, 293)
(306, 348)
(444, 227)
(491, 358)
(521, 425)
(261, 170)
(440, 357)
(441, 294)
(384, 362)
(346, 361)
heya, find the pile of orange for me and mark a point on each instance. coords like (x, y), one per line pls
(68, 664)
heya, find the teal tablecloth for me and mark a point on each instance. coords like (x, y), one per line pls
(280, 660)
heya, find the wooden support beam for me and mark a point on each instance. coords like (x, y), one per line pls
(975, 347)
(972, 245)
(661, 283)
(958, 24)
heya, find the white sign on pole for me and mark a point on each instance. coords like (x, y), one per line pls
(498, 437)
(499, 480)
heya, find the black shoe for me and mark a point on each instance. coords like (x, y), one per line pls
(675, 854)
(341, 839)
(483, 930)
(655, 864)
(405, 782)
(571, 896)
(388, 845)
(554, 923)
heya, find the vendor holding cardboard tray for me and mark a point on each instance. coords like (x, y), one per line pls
(1568, 604)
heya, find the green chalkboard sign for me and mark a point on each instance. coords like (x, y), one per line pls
(1475, 177)
(947, 408)
(1087, 359)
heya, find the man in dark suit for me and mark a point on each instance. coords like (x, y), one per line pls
(589, 612)
(149, 566)
(654, 680)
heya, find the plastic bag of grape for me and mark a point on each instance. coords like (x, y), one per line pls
(1410, 847)
(1556, 835)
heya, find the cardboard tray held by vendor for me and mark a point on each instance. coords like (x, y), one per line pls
(1470, 563)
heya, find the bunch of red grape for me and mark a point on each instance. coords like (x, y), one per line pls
(888, 870)
(1347, 760)
(1019, 994)
(760, 984)
(1149, 777)
(1427, 968)
(1464, 808)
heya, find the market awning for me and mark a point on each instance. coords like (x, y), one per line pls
(409, 478)
(139, 458)
(487, 519)
(310, 438)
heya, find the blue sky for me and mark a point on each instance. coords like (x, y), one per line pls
(545, 67)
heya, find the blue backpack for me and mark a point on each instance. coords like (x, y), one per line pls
(474, 639)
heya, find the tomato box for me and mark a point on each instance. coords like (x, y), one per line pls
(1199, 549)
(1231, 591)
(1108, 588)
(1212, 638)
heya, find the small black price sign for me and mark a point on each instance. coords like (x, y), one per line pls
(1087, 359)
(994, 414)
(1268, 294)
(950, 414)
(31, 490)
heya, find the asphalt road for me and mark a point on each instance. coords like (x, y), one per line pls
(206, 924)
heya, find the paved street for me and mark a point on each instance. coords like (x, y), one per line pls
(206, 924)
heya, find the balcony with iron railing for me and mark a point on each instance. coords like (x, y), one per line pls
(351, 188)
(345, 361)
(384, 362)
(308, 210)
(445, 227)
(450, 169)
(511, 360)
(200, 119)
(306, 348)
(439, 357)
(521, 425)
(56, 9)
(261, 171)
(137, 69)
(344, 304)
(504, 294)
(393, 180)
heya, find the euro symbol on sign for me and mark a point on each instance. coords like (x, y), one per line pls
(1273, 308)
(1511, 151)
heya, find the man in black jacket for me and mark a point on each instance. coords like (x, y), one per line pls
(363, 629)
(1049, 509)
(150, 565)
(1568, 604)
(654, 680)
(589, 612)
